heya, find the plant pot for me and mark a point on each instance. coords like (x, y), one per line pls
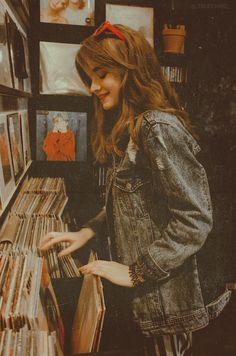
(173, 39)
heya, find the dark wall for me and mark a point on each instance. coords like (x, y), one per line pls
(211, 102)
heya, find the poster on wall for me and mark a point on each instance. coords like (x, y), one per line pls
(68, 12)
(7, 182)
(5, 68)
(58, 74)
(138, 18)
(25, 137)
(14, 129)
(61, 136)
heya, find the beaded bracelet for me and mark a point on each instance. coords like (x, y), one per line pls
(136, 274)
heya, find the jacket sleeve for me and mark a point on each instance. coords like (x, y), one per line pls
(171, 151)
(97, 222)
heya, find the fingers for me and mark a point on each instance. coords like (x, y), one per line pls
(67, 251)
(99, 268)
(51, 239)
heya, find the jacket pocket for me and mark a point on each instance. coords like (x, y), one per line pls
(131, 194)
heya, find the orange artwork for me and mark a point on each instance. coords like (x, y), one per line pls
(4, 153)
(59, 144)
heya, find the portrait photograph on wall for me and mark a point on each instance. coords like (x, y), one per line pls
(6, 172)
(138, 18)
(14, 130)
(61, 136)
(5, 69)
(58, 74)
(68, 12)
(25, 136)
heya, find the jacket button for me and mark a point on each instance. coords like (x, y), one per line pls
(128, 185)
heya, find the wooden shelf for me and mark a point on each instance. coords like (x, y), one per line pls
(13, 92)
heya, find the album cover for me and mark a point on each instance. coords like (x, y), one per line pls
(7, 183)
(25, 136)
(58, 73)
(61, 136)
(88, 319)
(68, 12)
(14, 130)
(5, 68)
(17, 53)
(138, 18)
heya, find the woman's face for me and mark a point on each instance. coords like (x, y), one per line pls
(58, 4)
(106, 86)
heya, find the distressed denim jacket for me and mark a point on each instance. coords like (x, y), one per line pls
(158, 202)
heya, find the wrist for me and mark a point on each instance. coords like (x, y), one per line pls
(136, 274)
(88, 233)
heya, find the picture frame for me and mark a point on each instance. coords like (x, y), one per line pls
(16, 147)
(60, 76)
(25, 137)
(139, 18)
(5, 65)
(27, 81)
(61, 136)
(16, 53)
(76, 12)
(7, 182)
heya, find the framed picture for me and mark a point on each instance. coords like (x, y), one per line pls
(61, 136)
(69, 12)
(5, 66)
(138, 18)
(7, 182)
(58, 74)
(27, 79)
(25, 136)
(17, 53)
(14, 130)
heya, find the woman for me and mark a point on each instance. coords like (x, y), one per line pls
(158, 207)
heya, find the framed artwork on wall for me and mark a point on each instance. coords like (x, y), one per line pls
(17, 53)
(61, 136)
(58, 74)
(15, 138)
(25, 136)
(7, 182)
(68, 12)
(5, 66)
(138, 18)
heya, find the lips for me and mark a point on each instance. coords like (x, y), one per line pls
(102, 97)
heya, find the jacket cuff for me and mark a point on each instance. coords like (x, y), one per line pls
(96, 223)
(149, 268)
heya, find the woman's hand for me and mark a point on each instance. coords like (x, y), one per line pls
(75, 239)
(113, 271)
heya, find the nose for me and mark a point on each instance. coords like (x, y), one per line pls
(95, 86)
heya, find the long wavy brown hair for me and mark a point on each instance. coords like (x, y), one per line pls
(143, 88)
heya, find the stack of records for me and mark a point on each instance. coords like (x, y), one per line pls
(24, 235)
(44, 185)
(28, 342)
(41, 197)
(27, 298)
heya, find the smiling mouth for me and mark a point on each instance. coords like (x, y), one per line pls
(102, 97)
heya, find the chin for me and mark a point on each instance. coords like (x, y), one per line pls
(108, 106)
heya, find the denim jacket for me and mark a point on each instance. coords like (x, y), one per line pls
(158, 208)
